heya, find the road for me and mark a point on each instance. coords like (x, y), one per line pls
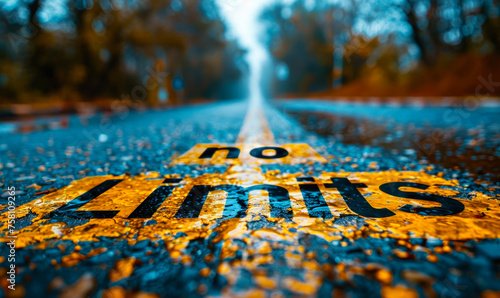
(249, 198)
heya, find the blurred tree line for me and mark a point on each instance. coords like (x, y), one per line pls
(152, 50)
(427, 47)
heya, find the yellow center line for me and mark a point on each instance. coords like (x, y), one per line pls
(255, 128)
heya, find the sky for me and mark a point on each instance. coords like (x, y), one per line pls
(242, 18)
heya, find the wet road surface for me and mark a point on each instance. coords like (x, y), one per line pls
(305, 234)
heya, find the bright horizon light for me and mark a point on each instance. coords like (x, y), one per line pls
(242, 18)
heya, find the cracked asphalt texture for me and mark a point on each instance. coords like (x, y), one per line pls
(142, 141)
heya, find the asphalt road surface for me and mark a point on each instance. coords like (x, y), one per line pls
(289, 198)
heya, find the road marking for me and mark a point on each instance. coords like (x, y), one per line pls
(255, 154)
(255, 128)
(390, 204)
(172, 211)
